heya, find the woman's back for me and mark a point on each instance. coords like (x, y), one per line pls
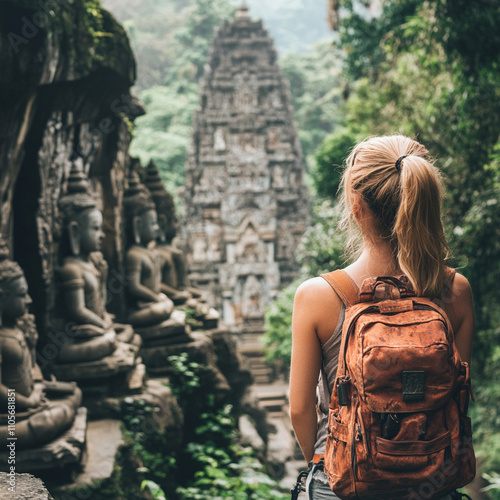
(392, 193)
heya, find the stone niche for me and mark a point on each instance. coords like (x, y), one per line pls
(245, 163)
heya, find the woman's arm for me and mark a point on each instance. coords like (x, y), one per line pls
(460, 310)
(315, 315)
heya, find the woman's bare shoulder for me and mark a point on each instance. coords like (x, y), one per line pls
(313, 285)
(458, 303)
(461, 293)
(316, 300)
(316, 289)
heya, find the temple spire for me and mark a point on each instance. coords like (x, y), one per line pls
(242, 12)
(245, 200)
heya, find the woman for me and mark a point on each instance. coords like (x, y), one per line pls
(392, 197)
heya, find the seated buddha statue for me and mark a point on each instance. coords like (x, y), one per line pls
(148, 305)
(43, 410)
(82, 278)
(173, 261)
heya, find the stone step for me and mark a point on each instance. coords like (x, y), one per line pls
(261, 369)
(257, 360)
(251, 350)
(264, 370)
(262, 380)
(275, 409)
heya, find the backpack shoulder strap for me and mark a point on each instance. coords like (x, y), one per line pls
(344, 286)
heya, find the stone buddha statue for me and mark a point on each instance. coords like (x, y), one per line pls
(148, 305)
(173, 261)
(82, 278)
(43, 410)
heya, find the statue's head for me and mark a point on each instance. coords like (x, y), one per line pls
(141, 219)
(14, 297)
(164, 202)
(82, 226)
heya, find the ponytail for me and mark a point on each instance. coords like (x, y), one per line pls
(404, 191)
(418, 228)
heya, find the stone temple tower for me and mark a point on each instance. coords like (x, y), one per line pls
(246, 206)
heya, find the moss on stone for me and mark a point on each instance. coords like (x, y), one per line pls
(89, 36)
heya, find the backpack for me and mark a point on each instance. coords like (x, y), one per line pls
(398, 424)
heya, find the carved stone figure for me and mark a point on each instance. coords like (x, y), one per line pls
(149, 306)
(151, 311)
(102, 356)
(173, 261)
(252, 298)
(219, 142)
(82, 279)
(43, 410)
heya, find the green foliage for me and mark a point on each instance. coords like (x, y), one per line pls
(224, 469)
(493, 488)
(147, 442)
(316, 96)
(277, 338)
(154, 489)
(215, 465)
(322, 247)
(192, 39)
(329, 159)
(163, 133)
(185, 377)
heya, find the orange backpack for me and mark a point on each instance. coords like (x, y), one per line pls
(398, 425)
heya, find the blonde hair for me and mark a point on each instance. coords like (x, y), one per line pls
(406, 204)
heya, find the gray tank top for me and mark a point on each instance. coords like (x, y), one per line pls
(329, 361)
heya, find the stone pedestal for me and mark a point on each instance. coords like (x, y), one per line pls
(172, 331)
(122, 360)
(67, 452)
(158, 341)
(120, 373)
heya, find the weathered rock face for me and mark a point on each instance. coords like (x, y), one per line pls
(23, 486)
(246, 204)
(64, 93)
